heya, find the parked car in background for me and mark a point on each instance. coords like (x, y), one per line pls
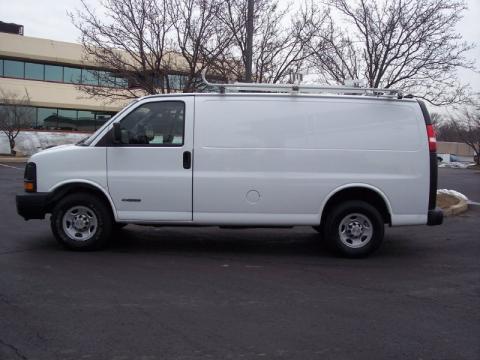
(448, 158)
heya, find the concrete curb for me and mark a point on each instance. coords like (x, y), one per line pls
(456, 209)
(8, 159)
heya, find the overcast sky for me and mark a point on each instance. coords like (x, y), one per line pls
(48, 19)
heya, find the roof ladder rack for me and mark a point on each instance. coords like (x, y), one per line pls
(295, 89)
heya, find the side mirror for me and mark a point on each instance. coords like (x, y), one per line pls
(117, 133)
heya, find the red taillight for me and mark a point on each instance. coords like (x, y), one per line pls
(432, 141)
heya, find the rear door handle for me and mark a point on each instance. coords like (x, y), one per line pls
(187, 159)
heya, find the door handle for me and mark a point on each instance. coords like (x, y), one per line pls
(187, 159)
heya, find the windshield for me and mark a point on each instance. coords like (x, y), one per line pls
(89, 139)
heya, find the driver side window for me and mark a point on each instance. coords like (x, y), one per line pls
(157, 124)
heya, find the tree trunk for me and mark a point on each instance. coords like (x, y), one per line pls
(12, 146)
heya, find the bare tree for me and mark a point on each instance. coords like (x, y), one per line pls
(202, 39)
(437, 119)
(16, 114)
(280, 40)
(334, 56)
(235, 18)
(444, 129)
(408, 44)
(467, 127)
(132, 38)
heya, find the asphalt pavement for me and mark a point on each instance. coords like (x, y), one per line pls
(464, 180)
(207, 293)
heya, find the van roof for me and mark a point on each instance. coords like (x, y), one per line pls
(284, 95)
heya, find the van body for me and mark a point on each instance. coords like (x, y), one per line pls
(246, 160)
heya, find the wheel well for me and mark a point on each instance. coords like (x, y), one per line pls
(359, 193)
(71, 188)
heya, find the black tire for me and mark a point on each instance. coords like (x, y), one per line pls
(348, 211)
(318, 229)
(118, 226)
(94, 207)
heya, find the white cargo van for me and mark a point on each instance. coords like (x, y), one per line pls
(344, 164)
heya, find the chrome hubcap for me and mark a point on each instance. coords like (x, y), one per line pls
(80, 223)
(355, 230)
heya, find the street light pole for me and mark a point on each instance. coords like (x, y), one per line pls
(249, 48)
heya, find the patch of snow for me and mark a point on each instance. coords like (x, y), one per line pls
(452, 193)
(30, 142)
(455, 165)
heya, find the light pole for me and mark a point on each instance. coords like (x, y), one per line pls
(249, 51)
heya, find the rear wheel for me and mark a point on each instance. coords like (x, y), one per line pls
(81, 222)
(354, 228)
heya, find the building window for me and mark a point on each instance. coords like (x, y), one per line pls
(89, 77)
(67, 119)
(106, 78)
(18, 116)
(101, 118)
(177, 82)
(54, 73)
(26, 115)
(72, 75)
(7, 113)
(14, 69)
(34, 71)
(75, 75)
(86, 120)
(47, 118)
(121, 82)
(43, 118)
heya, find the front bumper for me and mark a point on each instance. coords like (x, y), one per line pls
(435, 217)
(32, 206)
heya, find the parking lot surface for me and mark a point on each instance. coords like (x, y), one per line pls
(207, 293)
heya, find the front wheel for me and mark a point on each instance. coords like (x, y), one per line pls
(354, 229)
(81, 222)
